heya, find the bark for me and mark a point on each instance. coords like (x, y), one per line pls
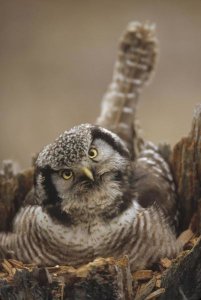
(14, 186)
(186, 167)
(183, 280)
(106, 279)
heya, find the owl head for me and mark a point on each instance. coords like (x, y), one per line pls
(82, 171)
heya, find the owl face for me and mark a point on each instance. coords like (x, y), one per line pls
(81, 171)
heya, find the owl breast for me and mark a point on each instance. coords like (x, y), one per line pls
(37, 238)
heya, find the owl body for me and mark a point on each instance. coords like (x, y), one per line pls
(92, 200)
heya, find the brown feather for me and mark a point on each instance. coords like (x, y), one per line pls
(133, 68)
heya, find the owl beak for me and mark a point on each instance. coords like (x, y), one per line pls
(87, 173)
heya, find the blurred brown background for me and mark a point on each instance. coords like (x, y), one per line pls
(56, 60)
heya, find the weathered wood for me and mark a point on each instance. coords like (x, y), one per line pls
(106, 279)
(186, 167)
(13, 189)
(143, 275)
(183, 279)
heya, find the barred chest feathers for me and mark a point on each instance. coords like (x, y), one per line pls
(135, 233)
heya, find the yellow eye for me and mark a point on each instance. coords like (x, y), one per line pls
(66, 174)
(92, 153)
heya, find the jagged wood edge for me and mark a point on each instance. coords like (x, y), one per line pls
(186, 168)
(100, 279)
(13, 190)
(183, 279)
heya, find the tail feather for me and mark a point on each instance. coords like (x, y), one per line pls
(133, 68)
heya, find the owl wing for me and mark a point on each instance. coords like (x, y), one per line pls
(154, 184)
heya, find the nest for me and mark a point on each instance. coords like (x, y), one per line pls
(100, 279)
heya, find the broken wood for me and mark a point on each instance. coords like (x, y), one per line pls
(186, 167)
(107, 279)
(101, 279)
(143, 275)
(13, 190)
(145, 289)
(183, 279)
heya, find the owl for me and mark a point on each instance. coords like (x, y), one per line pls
(92, 200)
